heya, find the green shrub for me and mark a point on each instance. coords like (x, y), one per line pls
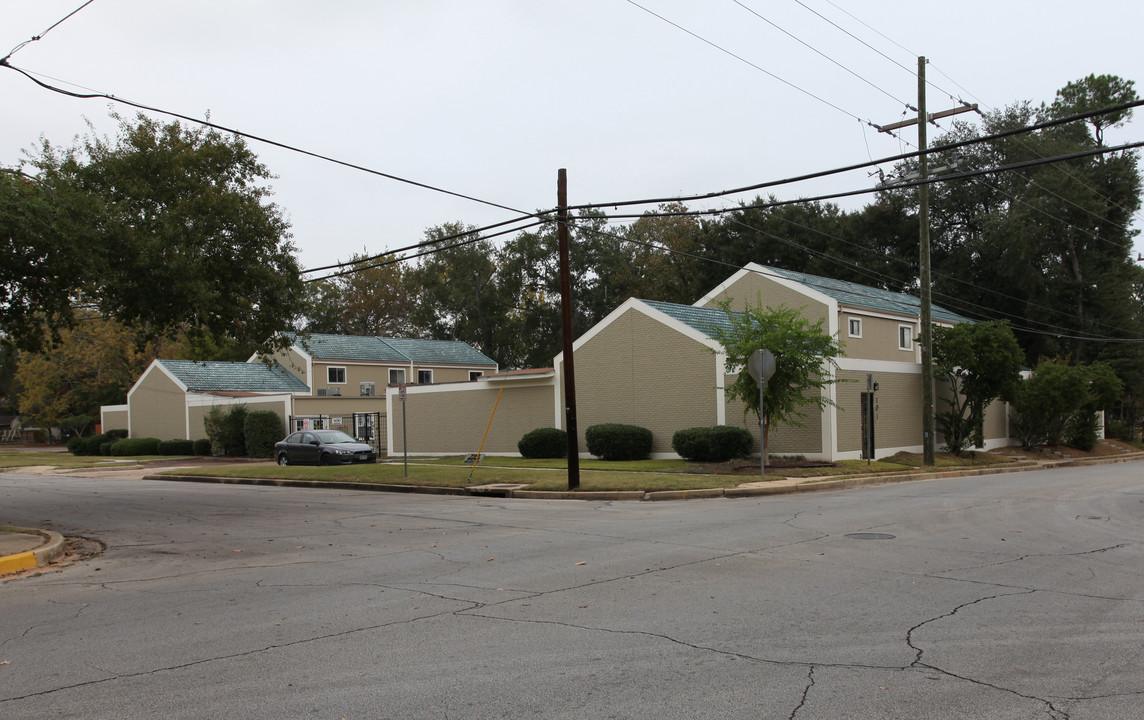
(136, 446)
(176, 447)
(712, 444)
(202, 446)
(89, 445)
(261, 428)
(611, 441)
(1083, 431)
(73, 445)
(225, 428)
(117, 434)
(105, 447)
(544, 443)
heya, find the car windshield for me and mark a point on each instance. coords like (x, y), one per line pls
(334, 436)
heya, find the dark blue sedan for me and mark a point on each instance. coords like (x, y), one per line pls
(322, 447)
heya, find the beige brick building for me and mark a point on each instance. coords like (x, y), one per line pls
(655, 365)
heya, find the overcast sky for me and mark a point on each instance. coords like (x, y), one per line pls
(489, 98)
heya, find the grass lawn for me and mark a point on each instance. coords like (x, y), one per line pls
(550, 475)
(387, 473)
(660, 466)
(457, 475)
(61, 459)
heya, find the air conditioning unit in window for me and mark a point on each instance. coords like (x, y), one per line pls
(367, 389)
(329, 392)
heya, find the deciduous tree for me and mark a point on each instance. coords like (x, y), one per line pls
(166, 228)
(804, 361)
(979, 363)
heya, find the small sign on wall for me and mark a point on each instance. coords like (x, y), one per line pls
(336, 422)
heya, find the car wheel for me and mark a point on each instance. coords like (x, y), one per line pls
(283, 460)
(326, 459)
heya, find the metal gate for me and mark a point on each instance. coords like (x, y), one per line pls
(363, 426)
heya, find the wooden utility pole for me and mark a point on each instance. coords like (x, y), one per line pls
(929, 437)
(566, 318)
(929, 429)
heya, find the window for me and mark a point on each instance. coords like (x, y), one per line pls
(424, 377)
(905, 337)
(336, 375)
(474, 374)
(855, 327)
(397, 376)
(366, 389)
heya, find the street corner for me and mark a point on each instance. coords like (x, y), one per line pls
(26, 548)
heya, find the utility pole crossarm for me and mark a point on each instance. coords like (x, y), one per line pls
(932, 117)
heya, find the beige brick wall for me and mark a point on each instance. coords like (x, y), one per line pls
(379, 375)
(158, 407)
(637, 371)
(897, 409)
(114, 420)
(879, 339)
(996, 425)
(453, 421)
(748, 290)
(782, 439)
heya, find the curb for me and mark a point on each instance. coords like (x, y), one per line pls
(779, 488)
(51, 550)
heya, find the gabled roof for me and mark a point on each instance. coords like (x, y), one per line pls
(391, 350)
(864, 296)
(214, 376)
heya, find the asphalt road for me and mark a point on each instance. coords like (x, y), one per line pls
(1013, 596)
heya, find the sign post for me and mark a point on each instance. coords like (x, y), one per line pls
(404, 434)
(761, 366)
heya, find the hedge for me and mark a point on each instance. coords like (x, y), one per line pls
(136, 446)
(202, 446)
(176, 447)
(226, 430)
(610, 441)
(712, 444)
(262, 429)
(544, 443)
(93, 444)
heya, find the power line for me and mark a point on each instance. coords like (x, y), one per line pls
(865, 191)
(250, 136)
(425, 253)
(869, 163)
(953, 299)
(809, 281)
(819, 52)
(743, 60)
(425, 243)
(34, 38)
(951, 95)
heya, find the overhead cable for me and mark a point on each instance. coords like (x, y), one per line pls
(250, 136)
(34, 38)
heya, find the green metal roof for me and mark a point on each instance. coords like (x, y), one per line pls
(391, 350)
(863, 296)
(450, 352)
(703, 319)
(349, 347)
(233, 376)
